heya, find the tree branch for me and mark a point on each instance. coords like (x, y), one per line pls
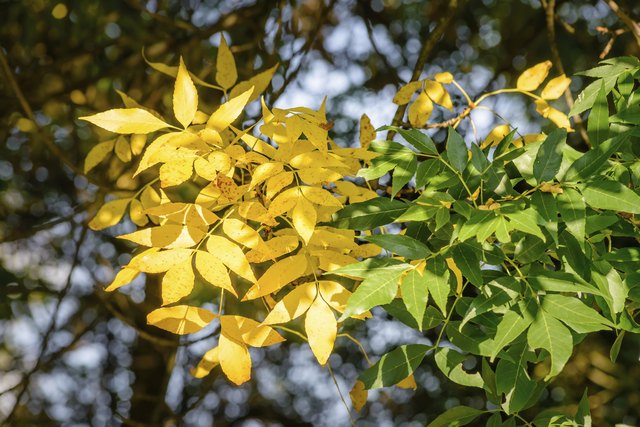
(633, 26)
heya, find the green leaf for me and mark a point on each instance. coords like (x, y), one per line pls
(377, 289)
(403, 172)
(379, 166)
(548, 333)
(549, 156)
(512, 379)
(369, 214)
(588, 96)
(415, 295)
(469, 338)
(456, 416)
(450, 362)
(490, 299)
(457, 152)
(394, 366)
(514, 322)
(404, 246)
(611, 195)
(558, 281)
(575, 314)
(436, 275)
(573, 212)
(628, 116)
(583, 414)
(428, 170)
(370, 267)
(615, 348)
(527, 222)
(598, 123)
(468, 262)
(432, 317)
(479, 220)
(421, 141)
(593, 160)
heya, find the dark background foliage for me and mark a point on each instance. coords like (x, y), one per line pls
(72, 355)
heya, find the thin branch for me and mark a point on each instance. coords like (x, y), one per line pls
(428, 46)
(613, 36)
(633, 25)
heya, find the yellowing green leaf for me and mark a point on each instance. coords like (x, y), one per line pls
(420, 110)
(231, 255)
(304, 217)
(556, 87)
(214, 271)
(249, 331)
(177, 282)
(278, 275)
(97, 154)
(367, 131)
(226, 73)
(127, 120)
(235, 360)
(438, 94)
(533, 77)
(122, 149)
(229, 111)
(109, 214)
(154, 261)
(124, 277)
(180, 319)
(259, 83)
(293, 305)
(185, 97)
(321, 328)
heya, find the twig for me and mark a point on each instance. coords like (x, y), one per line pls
(633, 26)
(427, 48)
(613, 36)
(52, 325)
(549, 8)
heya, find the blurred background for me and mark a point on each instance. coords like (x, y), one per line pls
(71, 355)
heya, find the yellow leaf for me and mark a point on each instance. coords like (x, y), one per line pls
(249, 331)
(293, 305)
(368, 250)
(137, 143)
(109, 214)
(127, 120)
(255, 211)
(180, 319)
(228, 112)
(97, 154)
(278, 182)
(176, 172)
(320, 196)
(235, 360)
(358, 395)
(166, 236)
(556, 116)
(276, 247)
(154, 261)
(326, 238)
(278, 275)
(136, 213)
(444, 78)
(409, 382)
(284, 202)
(556, 87)
(263, 172)
(242, 233)
(226, 73)
(457, 273)
(231, 255)
(533, 77)
(304, 218)
(438, 94)
(334, 294)
(404, 94)
(321, 327)
(185, 213)
(210, 360)
(367, 131)
(185, 97)
(551, 188)
(229, 189)
(528, 139)
(329, 260)
(315, 159)
(495, 136)
(259, 83)
(177, 282)
(122, 149)
(420, 110)
(214, 271)
(318, 175)
(124, 277)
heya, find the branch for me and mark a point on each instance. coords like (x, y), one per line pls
(427, 48)
(633, 26)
